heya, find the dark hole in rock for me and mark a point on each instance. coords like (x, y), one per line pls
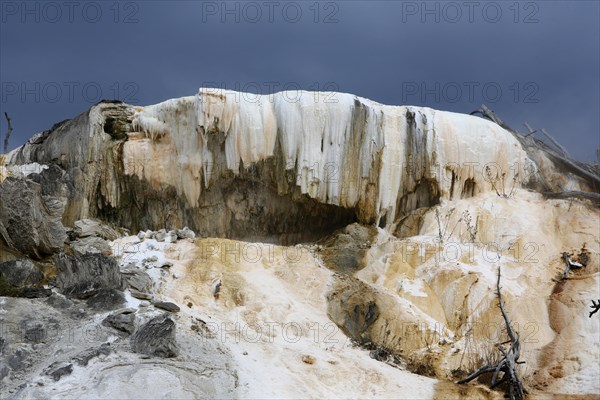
(383, 221)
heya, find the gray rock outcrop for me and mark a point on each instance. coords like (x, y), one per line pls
(106, 299)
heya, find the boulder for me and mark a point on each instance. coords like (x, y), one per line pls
(57, 370)
(59, 301)
(20, 273)
(141, 295)
(171, 237)
(82, 276)
(21, 278)
(29, 221)
(185, 233)
(4, 371)
(91, 245)
(156, 338)
(85, 356)
(89, 227)
(121, 320)
(345, 249)
(167, 305)
(106, 299)
(35, 332)
(137, 279)
(161, 235)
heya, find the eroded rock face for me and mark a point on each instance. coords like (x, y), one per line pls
(53, 182)
(352, 306)
(29, 221)
(246, 206)
(345, 249)
(85, 149)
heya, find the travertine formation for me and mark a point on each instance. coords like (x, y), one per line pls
(271, 167)
(401, 217)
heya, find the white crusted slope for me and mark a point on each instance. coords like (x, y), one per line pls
(345, 150)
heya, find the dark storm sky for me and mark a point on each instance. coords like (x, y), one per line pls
(529, 61)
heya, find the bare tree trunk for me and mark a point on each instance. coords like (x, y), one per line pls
(10, 129)
(508, 363)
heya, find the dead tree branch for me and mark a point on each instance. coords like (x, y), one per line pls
(569, 264)
(530, 129)
(549, 137)
(10, 129)
(508, 363)
(555, 142)
(595, 307)
(489, 114)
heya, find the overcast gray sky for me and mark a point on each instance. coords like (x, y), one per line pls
(535, 61)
